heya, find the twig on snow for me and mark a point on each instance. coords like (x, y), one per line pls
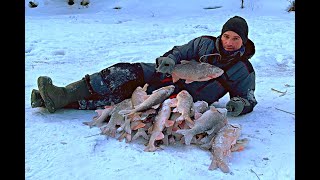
(93, 135)
(282, 93)
(255, 173)
(285, 111)
(288, 85)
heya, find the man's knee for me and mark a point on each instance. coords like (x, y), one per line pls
(119, 78)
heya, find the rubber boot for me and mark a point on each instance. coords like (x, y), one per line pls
(36, 99)
(57, 97)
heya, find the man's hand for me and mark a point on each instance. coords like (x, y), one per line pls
(166, 65)
(236, 105)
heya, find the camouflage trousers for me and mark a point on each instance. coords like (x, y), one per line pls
(112, 85)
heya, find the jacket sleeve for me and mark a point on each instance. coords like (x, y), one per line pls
(187, 51)
(241, 83)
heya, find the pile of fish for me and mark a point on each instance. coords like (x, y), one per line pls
(163, 121)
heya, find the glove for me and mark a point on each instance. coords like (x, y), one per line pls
(166, 65)
(236, 105)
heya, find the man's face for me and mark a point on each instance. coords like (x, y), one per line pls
(231, 41)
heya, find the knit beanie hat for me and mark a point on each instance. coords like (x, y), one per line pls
(238, 25)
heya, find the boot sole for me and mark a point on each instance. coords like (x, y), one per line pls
(36, 100)
(43, 82)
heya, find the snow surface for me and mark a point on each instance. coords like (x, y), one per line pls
(66, 42)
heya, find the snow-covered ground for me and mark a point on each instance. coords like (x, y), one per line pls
(66, 42)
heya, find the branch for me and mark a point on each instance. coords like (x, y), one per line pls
(93, 135)
(285, 111)
(255, 173)
(282, 93)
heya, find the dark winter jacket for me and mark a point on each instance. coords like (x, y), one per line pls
(238, 78)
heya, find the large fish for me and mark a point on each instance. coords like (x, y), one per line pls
(161, 121)
(184, 105)
(139, 95)
(154, 99)
(222, 145)
(195, 71)
(116, 118)
(209, 122)
(103, 114)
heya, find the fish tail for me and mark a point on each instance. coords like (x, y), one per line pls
(223, 167)
(188, 119)
(175, 78)
(213, 165)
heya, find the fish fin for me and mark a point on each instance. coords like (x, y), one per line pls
(151, 148)
(188, 81)
(127, 128)
(140, 125)
(190, 124)
(141, 132)
(135, 117)
(205, 77)
(98, 111)
(240, 145)
(128, 138)
(175, 78)
(160, 136)
(145, 87)
(145, 114)
(189, 120)
(210, 131)
(169, 123)
(187, 135)
(213, 165)
(156, 106)
(150, 129)
(122, 136)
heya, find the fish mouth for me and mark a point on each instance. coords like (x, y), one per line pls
(215, 75)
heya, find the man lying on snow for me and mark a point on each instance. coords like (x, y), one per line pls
(230, 51)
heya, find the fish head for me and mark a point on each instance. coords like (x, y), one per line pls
(223, 111)
(169, 89)
(236, 126)
(183, 94)
(215, 72)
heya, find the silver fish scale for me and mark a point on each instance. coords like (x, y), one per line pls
(207, 121)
